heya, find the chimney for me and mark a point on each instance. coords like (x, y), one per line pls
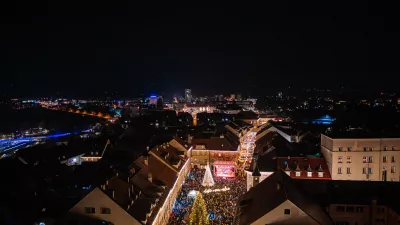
(278, 186)
(150, 177)
(190, 139)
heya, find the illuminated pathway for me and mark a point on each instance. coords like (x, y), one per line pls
(7, 145)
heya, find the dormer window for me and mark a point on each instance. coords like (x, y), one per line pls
(309, 174)
(298, 173)
(320, 174)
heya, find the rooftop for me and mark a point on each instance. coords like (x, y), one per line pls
(213, 144)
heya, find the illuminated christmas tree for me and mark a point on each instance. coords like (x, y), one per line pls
(208, 180)
(199, 215)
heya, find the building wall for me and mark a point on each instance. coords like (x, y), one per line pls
(98, 199)
(165, 210)
(352, 153)
(202, 157)
(363, 214)
(249, 178)
(277, 216)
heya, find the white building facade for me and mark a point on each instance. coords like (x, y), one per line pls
(374, 159)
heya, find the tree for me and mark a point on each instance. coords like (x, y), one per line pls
(199, 215)
(208, 180)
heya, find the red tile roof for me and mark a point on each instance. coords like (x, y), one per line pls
(304, 165)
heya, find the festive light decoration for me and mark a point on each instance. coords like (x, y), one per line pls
(208, 180)
(199, 215)
(216, 190)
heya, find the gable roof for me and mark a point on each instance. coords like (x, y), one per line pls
(270, 193)
(213, 144)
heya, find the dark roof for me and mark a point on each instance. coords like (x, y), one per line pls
(239, 125)
(247, 115)
(213, 144)
(351, 192)
(359, 134)
(283, 148)
(273, 191)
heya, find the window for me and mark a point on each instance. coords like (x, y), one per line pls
(340, 159)
(350, 209)
(365, 149)
(348, 159)
(369, 170)
(370, 159)
(393, 159)
(365, 159)
(287, 211)
(393, 169)
(364, 170)
(349, 149)
(340, 208)
(90, 210)
(340, 149)
(384, 159)
(359, 209)
(371, 149)
(339, 170)
(309, 174)
(320, 174)
(394, 148)
(105, 210)
(298, 173)
(385, 148)
(348, 170)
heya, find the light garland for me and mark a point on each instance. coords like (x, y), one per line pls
(216, 190)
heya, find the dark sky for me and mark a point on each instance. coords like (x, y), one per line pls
(88, 48)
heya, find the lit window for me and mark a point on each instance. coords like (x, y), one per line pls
(90, 210)
(394, 148)
(365, 149)
(339, 170)
(384, 159)
(364, 170)
(348, 170)
(298, 174)
(287, 211)
(348, 159)
(393, 169)
(288, 173)
(370, 159)
(385, 148)
(309, 174)
(340, 149)
(393, 159)
(365, 159)
(349, 149)
(320, 174)
(369, 170)
(340, 159)
(105, 210)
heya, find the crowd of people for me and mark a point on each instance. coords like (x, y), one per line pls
(221, 203)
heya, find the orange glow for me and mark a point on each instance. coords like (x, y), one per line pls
(77, 111)
(70, 110)
(100, 114)
(84, 112)
(107, 116)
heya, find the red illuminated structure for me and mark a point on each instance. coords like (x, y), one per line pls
(224, 169)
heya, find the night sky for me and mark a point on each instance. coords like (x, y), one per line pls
(88, 48)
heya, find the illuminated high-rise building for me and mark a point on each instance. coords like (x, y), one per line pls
(188, 95)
